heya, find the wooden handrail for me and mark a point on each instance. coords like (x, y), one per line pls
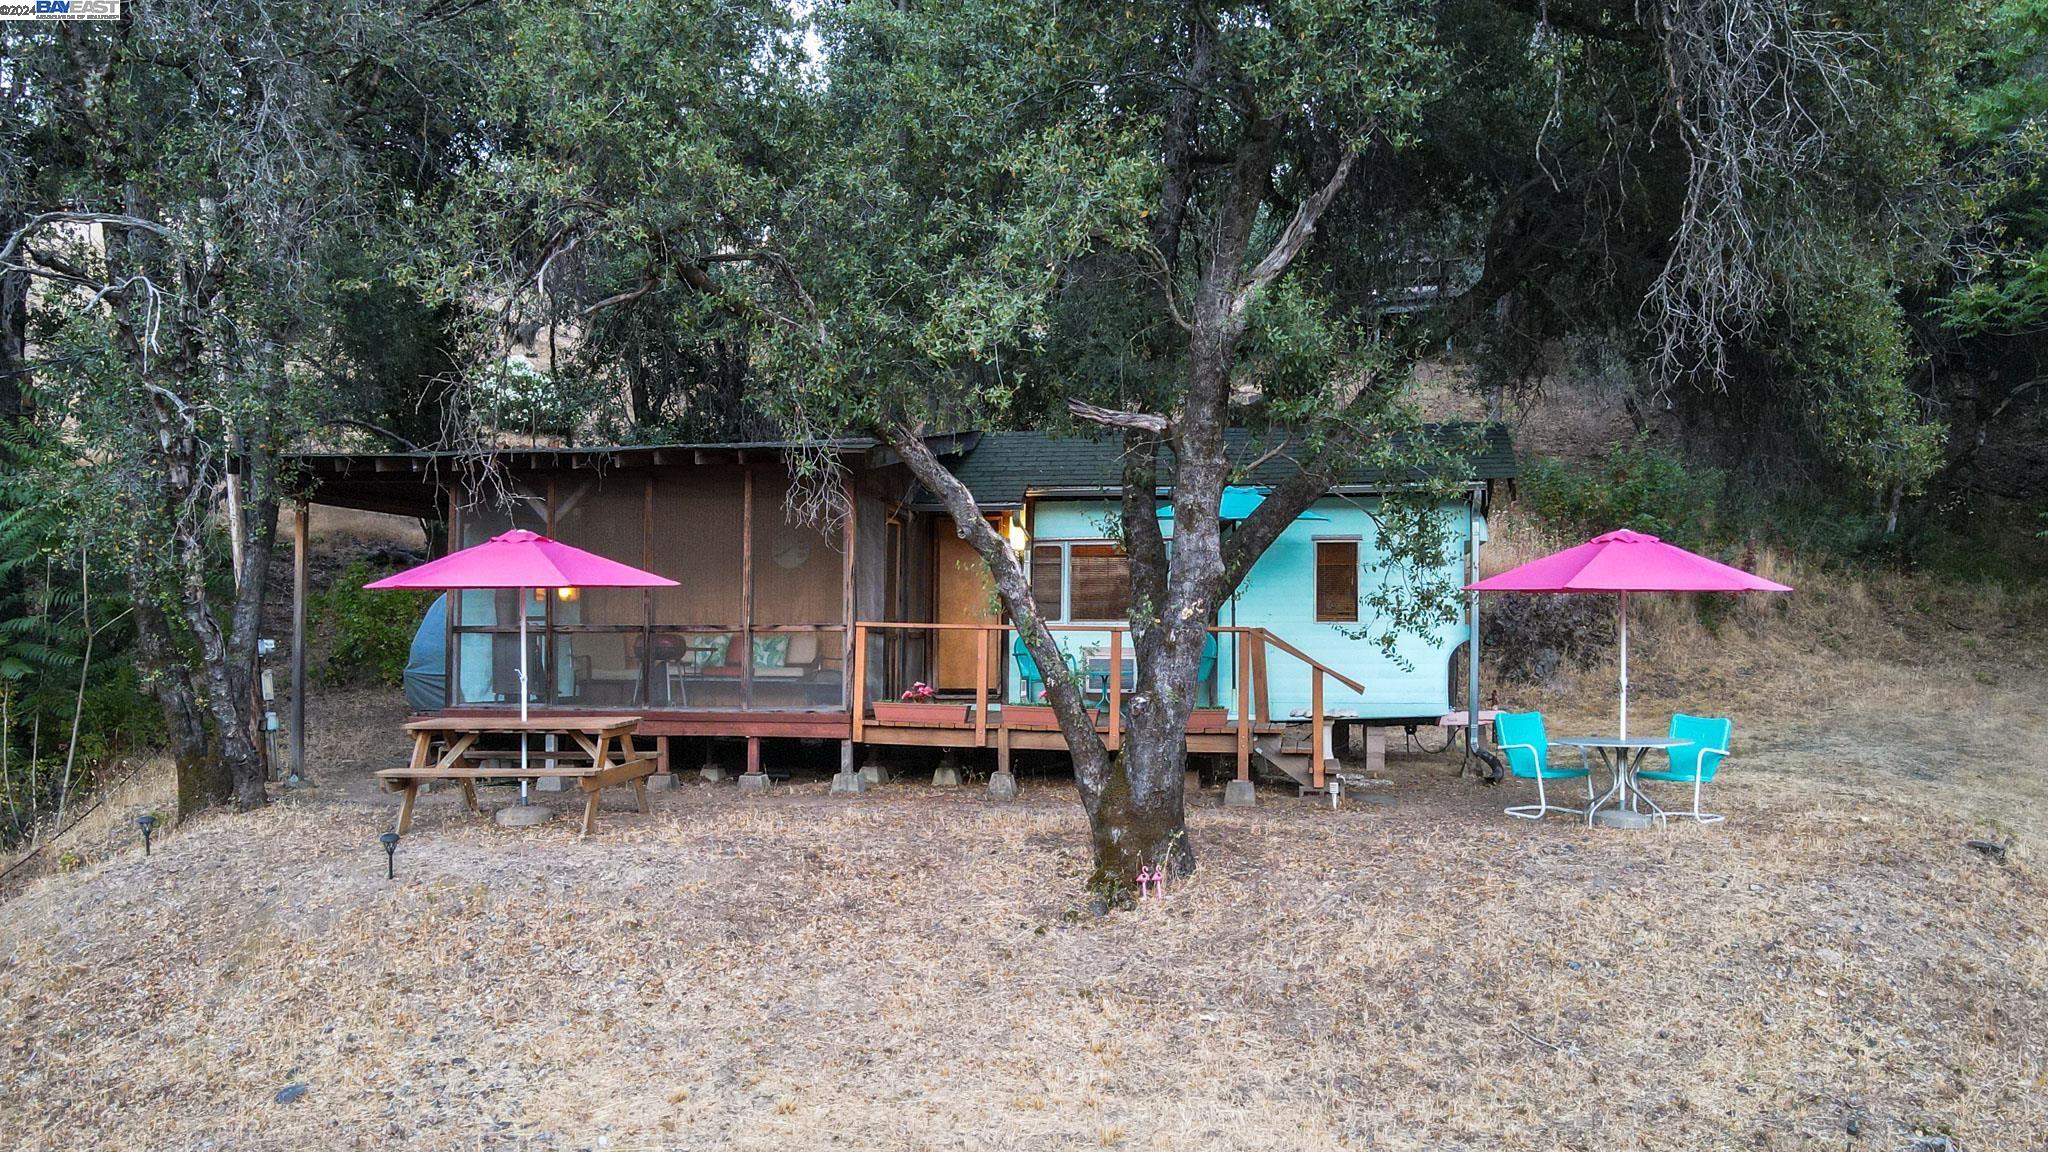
(1309, 660)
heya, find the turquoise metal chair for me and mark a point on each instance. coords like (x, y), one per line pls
(1693, 763)
(1205, 671)
(1027, 671)
(1522, 738)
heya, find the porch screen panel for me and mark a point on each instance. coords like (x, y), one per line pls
(697, 541)
(603, 516)
(699, 638)
(798, 570)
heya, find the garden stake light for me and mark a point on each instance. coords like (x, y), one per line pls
(146, 822)
(390, 842)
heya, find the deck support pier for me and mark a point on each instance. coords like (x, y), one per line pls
(849, 781)
(874, 771)
(754, 780)
(712, 772)
(1002, 784)
(1239, 793)
(947, 774)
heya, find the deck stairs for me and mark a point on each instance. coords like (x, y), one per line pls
(1291, 753)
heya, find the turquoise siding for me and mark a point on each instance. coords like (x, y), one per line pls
(1279, 595)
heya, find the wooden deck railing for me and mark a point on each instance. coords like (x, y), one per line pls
(1253, 687)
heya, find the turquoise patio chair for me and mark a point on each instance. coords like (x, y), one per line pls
(1027, 671)
(1205, 671)
(1693, 763)
(1522, 738)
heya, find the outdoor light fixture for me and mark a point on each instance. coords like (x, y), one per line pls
(1019, 539)
(146, 822)
(567, 594)
(390, 842)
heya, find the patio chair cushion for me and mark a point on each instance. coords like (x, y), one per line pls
(1526, 743)
(1698, 760)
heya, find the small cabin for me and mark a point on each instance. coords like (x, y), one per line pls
(782, 627)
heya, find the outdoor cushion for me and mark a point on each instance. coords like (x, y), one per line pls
(713, 647)
(1526, 743)
(1699, 759)
(771, 651)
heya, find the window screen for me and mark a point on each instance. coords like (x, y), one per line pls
(1098, 582)
(1337, 580)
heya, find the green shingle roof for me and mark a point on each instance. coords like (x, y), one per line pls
(1002, 467)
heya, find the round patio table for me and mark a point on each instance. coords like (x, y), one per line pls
(1622, 755)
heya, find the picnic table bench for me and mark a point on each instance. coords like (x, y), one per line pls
(603, 756)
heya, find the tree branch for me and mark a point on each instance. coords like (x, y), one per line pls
(1013, 586)
(1118, 418)
(1298, 231)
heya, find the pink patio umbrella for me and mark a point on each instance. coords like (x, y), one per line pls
(1623, 562)
(521, 559)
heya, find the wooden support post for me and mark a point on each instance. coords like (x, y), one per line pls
(661, 755)
(1244, 707)
(1315, 726)
(981, 690)
(1003, 749)
(753, 755)
(1263, 694)
(1116, 689)
(299, 591)
(860, 680)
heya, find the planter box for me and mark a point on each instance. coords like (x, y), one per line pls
(1209, 720)
(1030, 716)
(907, 712)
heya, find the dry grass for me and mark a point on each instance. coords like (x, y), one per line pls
(1831, 969)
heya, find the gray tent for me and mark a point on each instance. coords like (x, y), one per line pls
(426, 666)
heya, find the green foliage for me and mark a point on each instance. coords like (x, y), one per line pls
(1847, 345)
(368, 634)
(1641, 486)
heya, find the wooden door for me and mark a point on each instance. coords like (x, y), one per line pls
(966, 595)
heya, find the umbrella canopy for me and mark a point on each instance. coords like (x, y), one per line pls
(522, 559)
(1623, 562)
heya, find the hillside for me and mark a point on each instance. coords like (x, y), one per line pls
(1833, 967)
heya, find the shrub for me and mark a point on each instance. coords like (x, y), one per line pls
(368, 634)
(1636, 485)
(1530, 637)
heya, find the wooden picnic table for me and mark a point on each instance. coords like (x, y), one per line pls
(603, 756)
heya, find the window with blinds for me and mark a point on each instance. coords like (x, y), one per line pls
(1098, 582)
(1048, 563)
(1337, 581)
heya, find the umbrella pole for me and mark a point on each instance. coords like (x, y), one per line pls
(522, 695)
(1624, 665)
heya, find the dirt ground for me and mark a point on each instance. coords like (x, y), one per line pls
(1832, 968)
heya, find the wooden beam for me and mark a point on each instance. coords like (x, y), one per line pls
(1244, 706)
(753, 755)
(747, 598)
(981, 690)
(1263, 690)
(300, 515)
(860, 679)
(1315, 726)
(1116, 688)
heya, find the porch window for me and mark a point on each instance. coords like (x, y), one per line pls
(1337, 581)
(1081, 581)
